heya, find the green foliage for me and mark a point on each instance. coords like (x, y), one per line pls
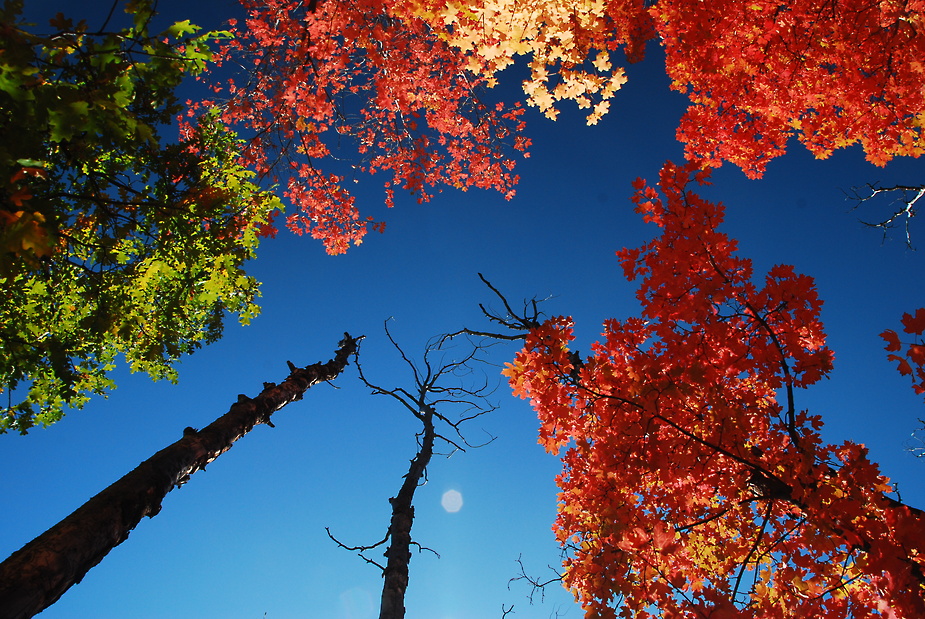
(112, 240)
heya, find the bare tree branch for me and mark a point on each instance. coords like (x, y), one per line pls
(359, 549)
(537, 585)
(903, 200)
(519, 324)
(916, 443)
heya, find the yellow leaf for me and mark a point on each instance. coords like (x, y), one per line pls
(602, 62)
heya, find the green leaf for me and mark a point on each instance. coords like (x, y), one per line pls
(181, 28)
(69, 120)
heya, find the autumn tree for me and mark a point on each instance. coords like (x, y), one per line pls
(333, 89)
(34, 577)
(693, 484)
(114, 239)
(755, 72)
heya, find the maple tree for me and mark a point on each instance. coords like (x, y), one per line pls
(362, 75)
(113, 239)
(692, 484)
(755, 71)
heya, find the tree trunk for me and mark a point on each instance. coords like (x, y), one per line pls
(34, 577)
(398, 554)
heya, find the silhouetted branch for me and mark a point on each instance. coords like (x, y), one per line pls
(359, 549)
(536, 584)
(519, 323)
(903, 202)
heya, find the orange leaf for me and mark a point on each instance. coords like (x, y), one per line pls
(19, 196)
(915, 324)
(916, 354)
(892, 340)
(904, 367)
(663, 538)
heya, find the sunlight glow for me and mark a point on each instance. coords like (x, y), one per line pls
(451, 501)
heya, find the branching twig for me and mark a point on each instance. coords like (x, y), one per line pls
(519, 324)
(359, 549)
(903, 204)
(916, 442)
(536, 585)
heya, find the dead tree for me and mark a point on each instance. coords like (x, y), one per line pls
(34, 577)
(429, 400)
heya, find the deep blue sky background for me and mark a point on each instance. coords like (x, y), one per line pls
(246, 540)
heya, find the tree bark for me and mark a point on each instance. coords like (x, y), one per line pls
(34, 577)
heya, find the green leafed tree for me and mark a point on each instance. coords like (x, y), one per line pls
(114, 237)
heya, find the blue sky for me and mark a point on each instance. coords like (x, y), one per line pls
(246, 539)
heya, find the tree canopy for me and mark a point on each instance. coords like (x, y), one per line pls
(115, 239)
(756, 73)
(693, 483)
(335, 89)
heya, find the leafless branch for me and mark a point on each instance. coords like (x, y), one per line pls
(537, 585)
(902, 203)
(359, 549)
(517, 324)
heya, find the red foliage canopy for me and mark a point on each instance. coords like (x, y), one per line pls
(833, 74)
(356, 74)
(756, 71)
(393, 84)
(692, 485)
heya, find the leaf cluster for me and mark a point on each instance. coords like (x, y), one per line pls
(360, 75)
(912, 362)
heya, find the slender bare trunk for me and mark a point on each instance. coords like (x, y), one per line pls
(398, 553)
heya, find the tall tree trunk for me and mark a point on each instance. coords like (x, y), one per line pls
(398, 553)
(34, 577)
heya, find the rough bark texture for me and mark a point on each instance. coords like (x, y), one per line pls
(35, 576)
(398, 553)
